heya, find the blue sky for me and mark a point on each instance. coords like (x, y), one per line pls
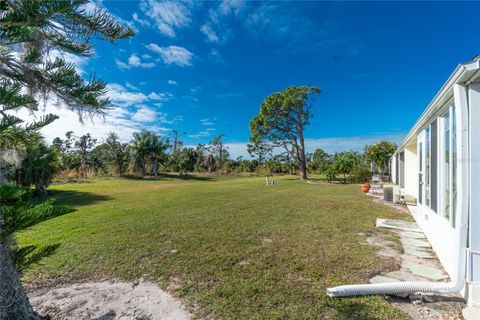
(203, 68)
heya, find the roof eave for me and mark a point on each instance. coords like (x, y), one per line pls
(464, 73)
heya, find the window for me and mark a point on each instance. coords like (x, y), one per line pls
(427, 167)
(448, 171)
(434, 166)
(446, 165)
(453, 165)
(420, 173)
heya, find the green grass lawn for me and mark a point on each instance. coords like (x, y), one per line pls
(232, 248)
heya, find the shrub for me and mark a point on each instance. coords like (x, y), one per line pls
(360, 175)
(330, 172)
(39, 167)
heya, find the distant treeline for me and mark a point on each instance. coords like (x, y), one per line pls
(147, 154)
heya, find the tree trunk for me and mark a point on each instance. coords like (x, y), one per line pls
(14, 302)
(302, 162)
(142, 166)
(41, 189)
(303, 170)
(155, 167)
(209, 163)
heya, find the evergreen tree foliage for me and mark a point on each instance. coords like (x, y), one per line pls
(281, 122)
(33, 36)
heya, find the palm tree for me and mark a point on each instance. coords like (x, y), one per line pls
(158, 146)
(146, 145)
(39, 166)
(141, 149)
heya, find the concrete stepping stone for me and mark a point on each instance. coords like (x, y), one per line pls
(414, 251)
(398, 224)
(382, 279)
(413, 235)
(426, 271)
(416, 243)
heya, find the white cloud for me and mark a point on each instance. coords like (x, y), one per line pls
(190, 98)
(173, 54)
(275, 22)
(232, 6)
(120, 95)
(201, 134)
(218, 26)
(159, 95)
(121, 64)
(167, 15)
(196, 89)
(172, 82)
(79, 61)
(164, 120)
(149, 115)
(145, 114)
(211, 35)
(128, 116)
(139, 20)
(216, 56)
(208, 121)
(92, 6)
(117, 119)
(131, 86)
(135, 61)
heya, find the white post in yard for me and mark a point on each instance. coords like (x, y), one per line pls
(266, 181)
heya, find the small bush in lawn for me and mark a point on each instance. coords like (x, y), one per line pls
(360, 175)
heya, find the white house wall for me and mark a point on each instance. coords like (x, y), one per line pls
(411, 170)
(448, 231)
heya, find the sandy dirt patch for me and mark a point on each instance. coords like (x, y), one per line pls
(108, 301)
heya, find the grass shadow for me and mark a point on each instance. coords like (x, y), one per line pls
(75, 198)
(349, 308)
(29, 255)
(173, 176)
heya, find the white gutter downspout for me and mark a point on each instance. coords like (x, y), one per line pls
(461, 103)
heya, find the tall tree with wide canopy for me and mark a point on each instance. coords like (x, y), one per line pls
(380, 153)
(282, 120)
(33, 36)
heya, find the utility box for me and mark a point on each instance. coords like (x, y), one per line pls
(388, 194)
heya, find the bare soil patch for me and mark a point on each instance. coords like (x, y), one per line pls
(107, 301)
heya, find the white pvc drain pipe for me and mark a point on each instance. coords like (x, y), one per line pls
(410, 286)
(413, 286)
